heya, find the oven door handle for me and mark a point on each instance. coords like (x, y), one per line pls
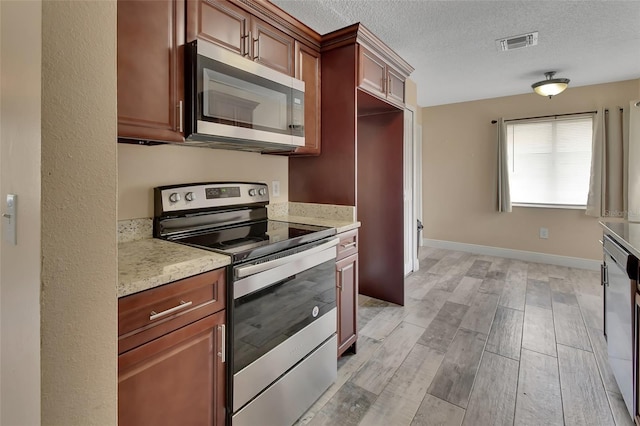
(245, 271)
(292, 265)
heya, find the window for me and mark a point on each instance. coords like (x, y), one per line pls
(550, 161)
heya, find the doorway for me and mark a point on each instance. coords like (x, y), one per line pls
(412, 196)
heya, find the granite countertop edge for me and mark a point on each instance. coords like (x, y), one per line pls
(339, 225)
(149, 263)
(621, 230)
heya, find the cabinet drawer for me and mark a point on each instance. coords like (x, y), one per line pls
(152, 313)
(348, 244)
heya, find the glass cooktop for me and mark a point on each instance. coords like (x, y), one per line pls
(257, 239)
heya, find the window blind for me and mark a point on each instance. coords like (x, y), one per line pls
(550, 160)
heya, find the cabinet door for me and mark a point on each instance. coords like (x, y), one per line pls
(347, 300)
(308, 70)
(372, 73)
(150, 69)
(395, 87)
(219, 22)
(271, 47)
(177, 379)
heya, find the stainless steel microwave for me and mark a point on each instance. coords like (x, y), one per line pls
(235, 103)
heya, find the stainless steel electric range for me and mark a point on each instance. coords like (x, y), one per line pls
(281, 307)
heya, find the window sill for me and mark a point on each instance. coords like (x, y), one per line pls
(551, 206)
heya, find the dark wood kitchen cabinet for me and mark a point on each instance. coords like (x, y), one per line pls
(308, 70)
(261, 32)
(230, 26)
(171, 345)
(150, 70)
(377, 77)
(347, 291)
(361, 163)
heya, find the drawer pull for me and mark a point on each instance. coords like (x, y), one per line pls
(223, 346)
(154, 316)
(348, 245)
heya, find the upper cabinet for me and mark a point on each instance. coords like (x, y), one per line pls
(235, 29)
(150, 70)
(219, 22)
(271, 47)
(308, 70)
(378, 77)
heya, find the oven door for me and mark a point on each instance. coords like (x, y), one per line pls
(283, 310)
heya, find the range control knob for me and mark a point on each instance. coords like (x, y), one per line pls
(252, 192)
(262, 191)
(174, 197)
(189, 196)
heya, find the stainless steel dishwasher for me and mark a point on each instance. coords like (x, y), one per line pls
(619, 280)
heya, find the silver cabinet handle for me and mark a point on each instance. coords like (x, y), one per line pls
(389, 85)
(348, 245)
(256, 48)
(180, 116)
(154, 316)
(223, 336)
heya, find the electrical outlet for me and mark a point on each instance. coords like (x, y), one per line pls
(275, 188)
(544, 233)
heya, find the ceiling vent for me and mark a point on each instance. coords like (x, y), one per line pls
(517, 42)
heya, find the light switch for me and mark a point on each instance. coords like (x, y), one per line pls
(275, 188)
(9, 219)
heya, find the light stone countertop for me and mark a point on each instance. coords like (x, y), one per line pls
(340, 225)
(151, 262)
(626, 233)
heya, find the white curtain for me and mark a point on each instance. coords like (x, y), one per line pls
(632, 143)
(609, 159)
(597, 179)
(504, 195)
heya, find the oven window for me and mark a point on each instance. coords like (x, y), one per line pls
(266, 318)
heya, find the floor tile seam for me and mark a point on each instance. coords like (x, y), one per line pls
(599, 375)
(475, 377)
(583, 323)
(521, 336)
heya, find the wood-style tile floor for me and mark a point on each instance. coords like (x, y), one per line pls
(480, 341)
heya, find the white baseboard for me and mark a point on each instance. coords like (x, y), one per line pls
(527, 256)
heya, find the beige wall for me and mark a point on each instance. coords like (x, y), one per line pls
(459, 172)
(79, 196)
(20, 174)
(141, 168)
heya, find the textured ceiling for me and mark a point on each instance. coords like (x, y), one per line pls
(451, 44)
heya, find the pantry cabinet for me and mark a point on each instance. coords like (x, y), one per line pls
(150, 67)
(347, 291)
(362, 153)
(172, 360)
(379, 78)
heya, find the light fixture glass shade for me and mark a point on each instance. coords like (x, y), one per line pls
(551, 86)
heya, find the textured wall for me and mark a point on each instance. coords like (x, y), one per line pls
(79, 251)
(459, 172)
(20, 174)
(141, 168)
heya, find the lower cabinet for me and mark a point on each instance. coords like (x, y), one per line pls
(171, 363)
(347, 291)
(177, 379)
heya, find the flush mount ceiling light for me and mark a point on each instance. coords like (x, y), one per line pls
(551, 86)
